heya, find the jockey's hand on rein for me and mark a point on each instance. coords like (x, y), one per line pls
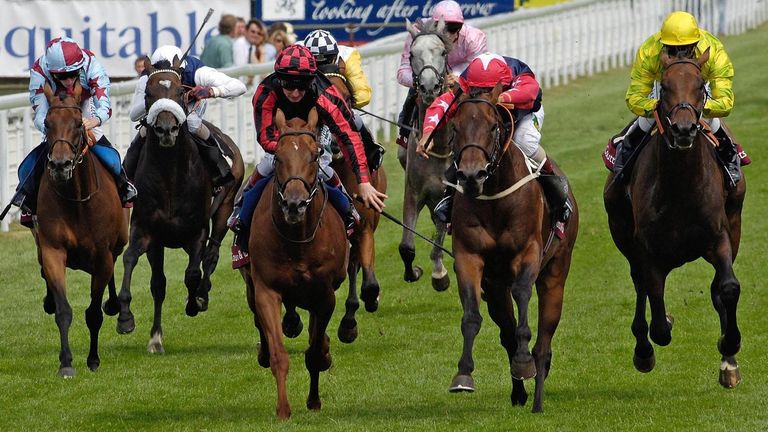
(506, 100)
(200, 92)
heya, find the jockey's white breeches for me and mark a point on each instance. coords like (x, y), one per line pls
(527, 134)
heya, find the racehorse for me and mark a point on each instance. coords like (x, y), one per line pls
(303, 256)
(175, 206)
(503, 242)
(423, 177)
(80, 225)
(679, 210)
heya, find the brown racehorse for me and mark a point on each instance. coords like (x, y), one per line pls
(81, 224)
(175, 207)
(303, 256)
(503, 242)
(680, 210)
(363, 251)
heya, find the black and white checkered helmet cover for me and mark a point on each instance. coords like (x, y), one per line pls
(322, 44)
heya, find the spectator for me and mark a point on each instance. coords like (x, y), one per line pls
(286, 27)
(279, 40)
(218, 50)
(138, 64)
(256, 49)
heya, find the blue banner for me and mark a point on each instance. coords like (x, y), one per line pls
(362, 20)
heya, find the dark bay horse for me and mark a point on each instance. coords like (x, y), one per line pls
(363, 251)
(503, 242)
(175, 207)
(679, 210)
(80, 223)
(424, 177)
(303, 256)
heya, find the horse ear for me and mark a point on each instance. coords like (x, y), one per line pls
(148, 66)
(665, 59)
(77, 90)
(440, 26)
(280, 119)
(411, 28)
(48, 91)
(312, 119)
(176, 62)
(704, 57)
(496, 91)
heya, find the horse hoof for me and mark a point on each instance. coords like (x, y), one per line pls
(263, 357)
(283, 413)
(48, 305)
(191, 308)
(314, 405)
(202, 304)
(462, 383)
(370, 297)
(519, 397)
(414, 276)
(292, 327)
(93, 365)
(730, 377)
(644, 365)
(523, 370)
(155, 348)
(442, 283)
(67, 372)
(111, 307)
(125, 326)
(347, 335)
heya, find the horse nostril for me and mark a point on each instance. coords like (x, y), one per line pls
(159, 130)
(460, 176)
(481, 175)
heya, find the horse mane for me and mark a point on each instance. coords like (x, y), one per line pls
(429, 27)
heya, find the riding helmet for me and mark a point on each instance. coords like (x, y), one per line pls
(322, 45)
(64, 55)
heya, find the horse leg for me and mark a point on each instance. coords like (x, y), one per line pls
(137, 246)
(725, 291)
(523, 365)
(54, 267)
(250, 295)
(644, 358)
(407, 248)
(661, 323)
(370, 289)
(267, 304)
(440, 279)
(93, 315)
(469, 272)
(49, 305)
(111, 307)
(193, 275)
(157, 284)
(348, 326)
(501, 310)
(292, 324)
(211, 253)
(317, 357)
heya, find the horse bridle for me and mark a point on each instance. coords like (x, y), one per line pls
(79, 151)
(682, 105)
(440, 75)
(493, 158)
(311, 188)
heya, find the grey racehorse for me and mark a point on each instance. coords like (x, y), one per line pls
(423, 177)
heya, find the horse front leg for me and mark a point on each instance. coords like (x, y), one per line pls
(156, 258)
(370, 290)
(725, 291)
(643, 358)
(292, 325)
(137, 247)
(661, 323)
(93, 315)
(469, 272)
(523, 366)
(54, 267)
(501, 310)
(267, 303)
(317, 357)
(196, 299)
(211, 254)
(440, 279)
(407, 248)
(347, 332)
(250, 294)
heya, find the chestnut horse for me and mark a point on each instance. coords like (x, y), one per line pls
(80, 223)
(680, 210)
(503, 242)
(303, 256)
(175, 207)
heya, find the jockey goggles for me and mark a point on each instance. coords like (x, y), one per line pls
(294, 84)
(66, 75)
(453, 27)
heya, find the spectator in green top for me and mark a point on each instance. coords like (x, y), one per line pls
(218, 49)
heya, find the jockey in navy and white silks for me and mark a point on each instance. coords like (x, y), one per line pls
(63, 64)
(205, 82)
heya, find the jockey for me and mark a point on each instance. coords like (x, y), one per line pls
(64, 63)
(328, 55)
(205, 82)
(679, 33)
(522, 95)
(295, 87)
(468, 43)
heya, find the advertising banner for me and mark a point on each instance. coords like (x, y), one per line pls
(116, 31)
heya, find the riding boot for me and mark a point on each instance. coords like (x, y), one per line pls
(556, 191)
(221, 173)
(729, 158)
(444, 207)
(405, 117)
(126, 189)
(625, 147)
(131, 159)
(374, 152)
(234, 219)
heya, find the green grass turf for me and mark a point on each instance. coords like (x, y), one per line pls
(395, 376)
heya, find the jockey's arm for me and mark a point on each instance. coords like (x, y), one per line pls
(222, 85)
(264, 101)
(524, 92)
(432, 117)
(404, 72)
(36, 96)
(361, 89)
(720, 102)
(99, 90)
(644, 72)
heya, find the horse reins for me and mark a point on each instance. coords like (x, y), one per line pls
(681, 106)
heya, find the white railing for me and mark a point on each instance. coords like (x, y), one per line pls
(560, 43)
